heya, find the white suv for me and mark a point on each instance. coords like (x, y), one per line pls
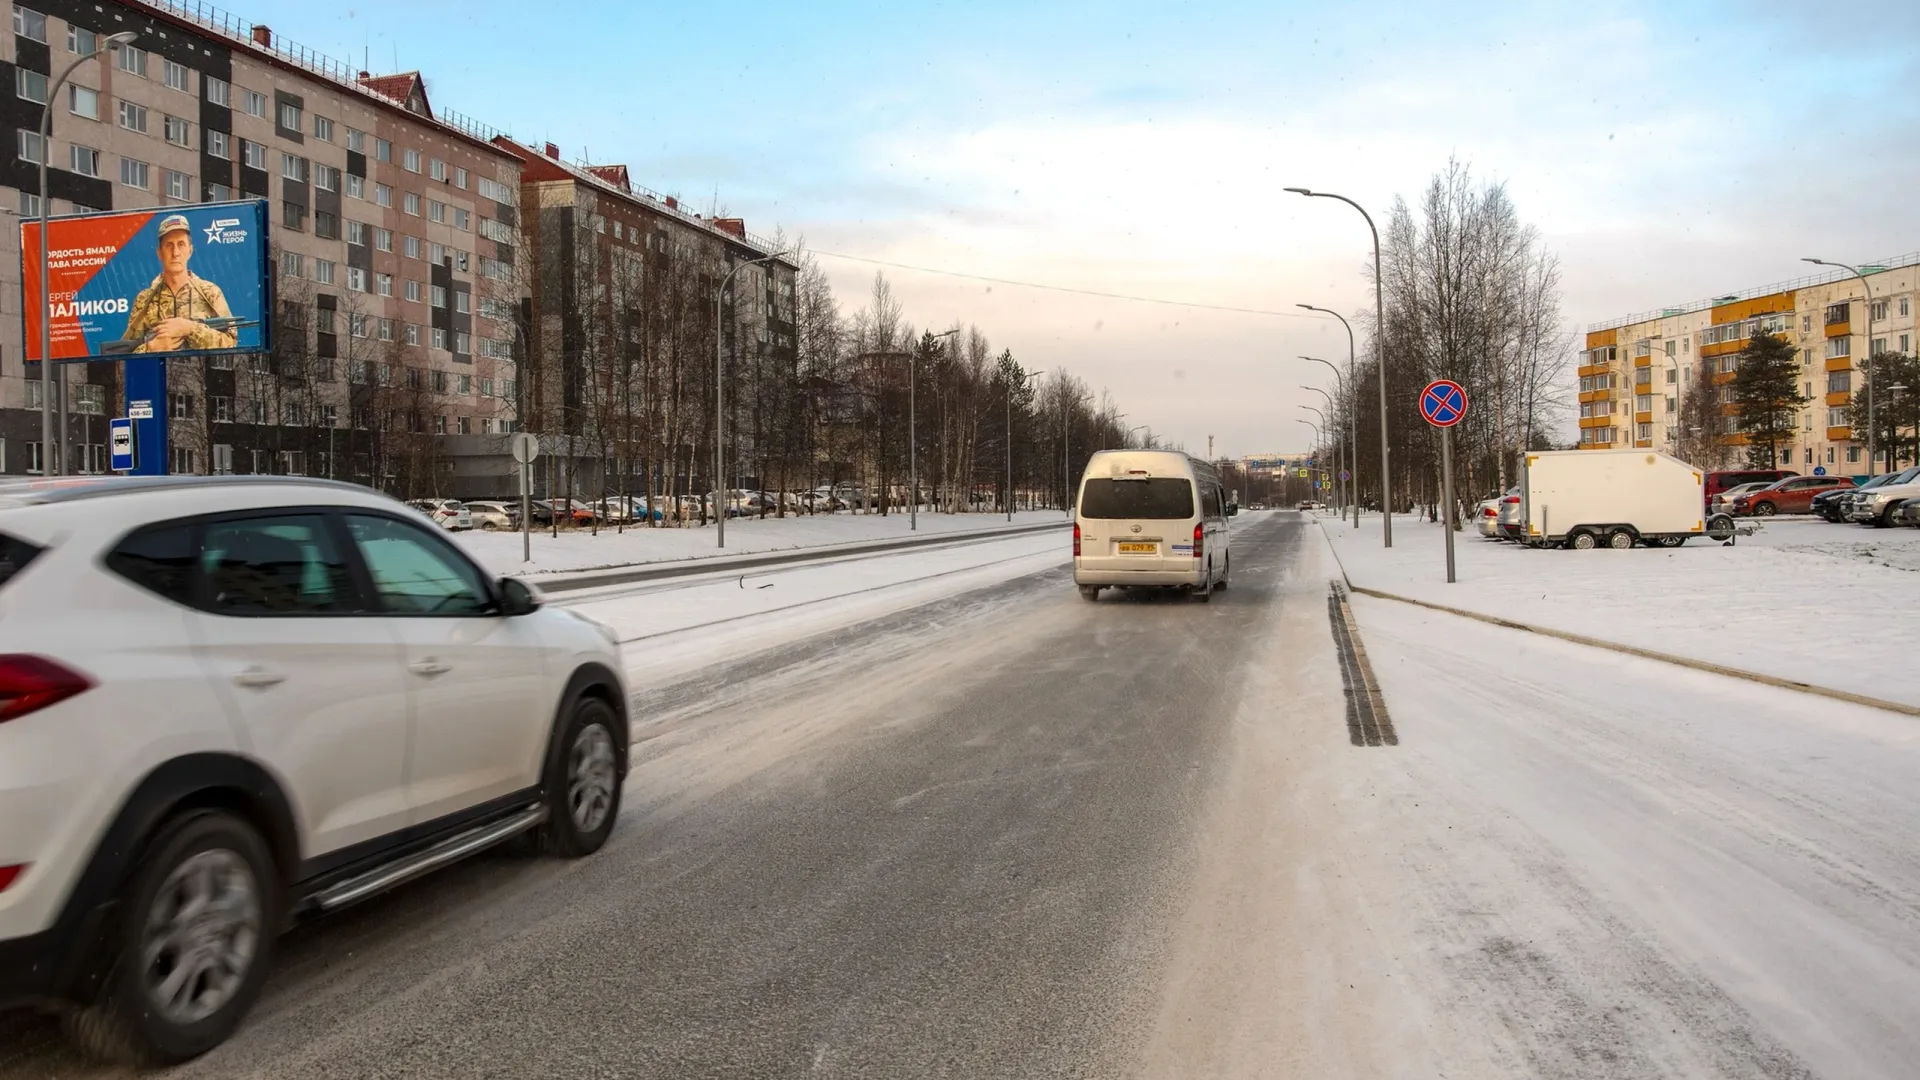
(226, 703)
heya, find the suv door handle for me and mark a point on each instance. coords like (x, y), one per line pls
(429, 667)
(258, 678)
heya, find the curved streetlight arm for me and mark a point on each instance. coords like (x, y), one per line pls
(721, 496)
(1321, 392)
(1339, 379)
(1353, 407)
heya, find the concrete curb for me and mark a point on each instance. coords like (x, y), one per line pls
(1629, 650)
(712, 564)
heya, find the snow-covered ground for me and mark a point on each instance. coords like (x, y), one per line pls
(580, 549)
(668, 628)
(1605, 866)
(1834, 605)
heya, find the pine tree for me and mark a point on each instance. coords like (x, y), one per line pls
(1766, 387)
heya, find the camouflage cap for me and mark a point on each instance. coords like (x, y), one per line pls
(173, 222)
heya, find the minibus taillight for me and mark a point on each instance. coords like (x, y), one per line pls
(1199, 540)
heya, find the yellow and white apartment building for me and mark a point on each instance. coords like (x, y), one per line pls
(1636, 371)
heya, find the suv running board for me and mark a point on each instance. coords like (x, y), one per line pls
(449, 850)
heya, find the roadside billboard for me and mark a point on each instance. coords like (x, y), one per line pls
(165, 281)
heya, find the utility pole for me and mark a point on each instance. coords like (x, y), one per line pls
(1209, 448)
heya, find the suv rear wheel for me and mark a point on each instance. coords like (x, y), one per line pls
(195, 935)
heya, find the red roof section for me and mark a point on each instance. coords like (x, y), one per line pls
(398, 88)
(612, 174)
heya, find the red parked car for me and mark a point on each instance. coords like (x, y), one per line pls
(1793, 495)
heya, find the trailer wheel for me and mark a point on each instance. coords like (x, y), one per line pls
(1620, 539)
(1581, 540)
(1672, 541)
(1720, 528)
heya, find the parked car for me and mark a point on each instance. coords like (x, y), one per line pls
(1486, 516)
(1512, 524)
(1714, 484)
(449, 514)
(277, 697)
(1793, 495)
(490, 516)
(1723, 502)
(630, 508)
(1837, 506)
(1877, 506)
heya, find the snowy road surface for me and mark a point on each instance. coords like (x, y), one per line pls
(978, 827)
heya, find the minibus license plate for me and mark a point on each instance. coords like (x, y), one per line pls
(1138, 549)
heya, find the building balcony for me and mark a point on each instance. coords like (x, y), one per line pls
(1839, 434)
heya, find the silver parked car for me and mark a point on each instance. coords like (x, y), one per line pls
(489, 516)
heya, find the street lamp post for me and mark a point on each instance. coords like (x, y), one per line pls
(1320, 430)
(721, 495)
(1353, 408)
(1380, 350)
(48, 466)
(1341, 489)
(1024, 376)
(1873, 433)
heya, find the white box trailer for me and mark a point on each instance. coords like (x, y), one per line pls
(1615, 498)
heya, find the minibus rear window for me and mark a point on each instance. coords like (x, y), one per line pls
(1157, 498)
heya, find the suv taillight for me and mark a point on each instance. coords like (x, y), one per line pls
(1076, 539)
(1511, 500)
(1199, 540)
(30, 683)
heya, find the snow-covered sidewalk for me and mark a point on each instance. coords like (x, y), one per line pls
(1832, 605)
(579, 549)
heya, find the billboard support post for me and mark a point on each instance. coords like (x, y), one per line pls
(146, 379)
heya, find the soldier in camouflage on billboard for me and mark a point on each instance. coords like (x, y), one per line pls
(172, 314)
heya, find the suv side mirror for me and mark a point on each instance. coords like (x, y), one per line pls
(517, 598)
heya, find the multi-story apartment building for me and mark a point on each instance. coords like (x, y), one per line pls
(396, 303)
(1637, 371)
(620, 360)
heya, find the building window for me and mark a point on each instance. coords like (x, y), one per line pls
(218, 91)
(135, 174)
(218, 145)
(413, 291)
(83, 102)
(356, 322)
(489, 188)
(462, 342)
(383, 195)
(30, 86)
(292, 264)
(464, 384)
(486, 387)
(462, 220)
(323, 272)
(326, 177)
(356, 141)
(383, 239)
(411, 204)
(219, 193)
(1837, 418)
(413, 247)
(326, 226)
(463, 303)
(437, 169)
(133, 60)
(439, 338)
(382, 150)
(436, 253)
(177, 131)
(439, 296)
(1839, 346)
(86, 160)
(383, 284)
(180, 406)
(460, 260)
(357, 233)
(383, 329)
(31, 24)
(1840, 382)
(293, 216)
(356, 279)
(356, 186)
(31, 149)
(133, 117)
(254, 154)
(1853, 455)
(460, 178)
(254, 103)
(322, 129)
(293, 168)
(413, 333)
(29, 204)
(1906, 344)
(1838, 313)
(412, 161)
(290, 117)
(1877, 311)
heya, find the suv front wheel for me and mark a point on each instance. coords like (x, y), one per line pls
(583, 781)
(195, 935)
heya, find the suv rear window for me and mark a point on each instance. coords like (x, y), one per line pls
(1157, 498)
(15, 554)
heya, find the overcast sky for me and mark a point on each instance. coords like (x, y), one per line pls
(1666, 151)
